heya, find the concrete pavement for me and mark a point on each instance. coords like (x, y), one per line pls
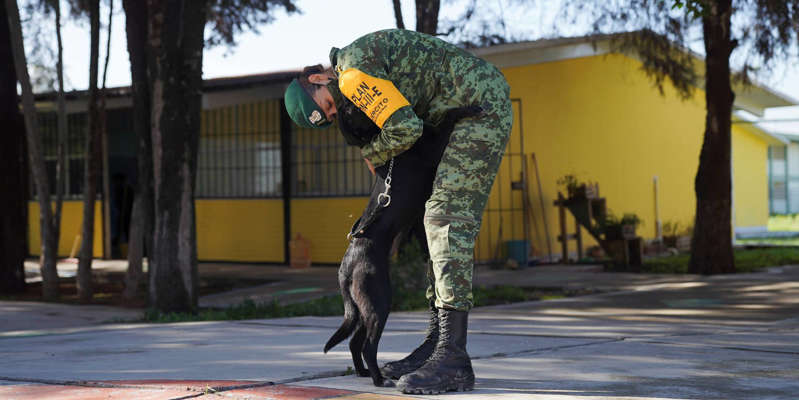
(651, 337)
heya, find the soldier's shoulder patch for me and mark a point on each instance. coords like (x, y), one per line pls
(376, 97)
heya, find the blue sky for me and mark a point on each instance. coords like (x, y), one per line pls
(298, 40)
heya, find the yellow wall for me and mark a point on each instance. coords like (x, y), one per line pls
(325, 222)
(71, 220)
(240, 230)
(601, 119)
(750, 178)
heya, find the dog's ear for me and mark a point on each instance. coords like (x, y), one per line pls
(354, 125)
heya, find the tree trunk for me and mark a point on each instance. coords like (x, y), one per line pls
(427, 16)
(62, 131)
(141, 222)
(93, 154)
(12, 172)
(104, 142)
(36, 158)
(398, 14)
(711, 247)
(176, 37)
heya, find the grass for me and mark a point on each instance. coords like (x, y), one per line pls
(784, 222)
(746, 260)
(769, 241)
(332, 305)
(248, 309)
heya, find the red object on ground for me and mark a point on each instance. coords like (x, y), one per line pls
(168, 389)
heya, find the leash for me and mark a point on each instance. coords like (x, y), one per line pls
(385, 194)
(358, 228)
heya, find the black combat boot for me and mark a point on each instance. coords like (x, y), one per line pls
(416, 359)
(449, 367)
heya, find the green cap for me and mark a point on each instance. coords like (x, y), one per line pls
(302, 108)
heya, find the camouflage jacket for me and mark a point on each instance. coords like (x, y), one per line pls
(417, 76)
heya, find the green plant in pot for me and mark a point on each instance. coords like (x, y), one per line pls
(629, 223)
(574, 188)
(615, 228)
(671, 230)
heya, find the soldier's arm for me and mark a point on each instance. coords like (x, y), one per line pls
(399, 133)
(363, 80)
(383, 103)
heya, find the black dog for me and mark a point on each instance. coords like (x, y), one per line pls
(363, 275)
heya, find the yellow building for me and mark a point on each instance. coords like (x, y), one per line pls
(579, 109)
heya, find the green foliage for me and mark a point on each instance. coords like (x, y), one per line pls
(412, 300)
(229, 18)
(671, 228)
(677, 264)
(662, 59)
(506, 294)
(569, 183)
(693, 8)
(631, 219)
(610, 222)
(409, 277)
(574, 188)
(248, 309)
(746, 260)
(661, 33)
(778, 241)
(784, 222)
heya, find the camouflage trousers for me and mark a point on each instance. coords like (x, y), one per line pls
(463, 181)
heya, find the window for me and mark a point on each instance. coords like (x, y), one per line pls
(239, 153)
(778, 180)
(324, 165)
(73, 152)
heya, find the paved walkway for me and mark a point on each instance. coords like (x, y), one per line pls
(652, 337)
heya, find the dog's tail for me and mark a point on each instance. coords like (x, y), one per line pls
(351, 318)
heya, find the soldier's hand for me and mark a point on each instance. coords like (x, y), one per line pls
(371, 167)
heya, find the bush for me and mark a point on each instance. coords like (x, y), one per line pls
(746, 260)
(409, 277)
(248, 309)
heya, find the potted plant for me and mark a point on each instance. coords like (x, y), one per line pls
(615, 228)
(629, 223)
(575, 190)
(671, 230)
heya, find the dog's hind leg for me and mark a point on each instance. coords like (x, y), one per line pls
(372, 295)
(356, 348)
(374, 329)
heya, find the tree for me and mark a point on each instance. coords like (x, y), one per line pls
(711, 244)
(166, 72)
(41, 49)
(61, 124)
(104, 135)
(398, 14)
(426, 15)
(36, 157)
(141, 221)
(12, 172)
(92, 165)
(176, 42)
(474, 27)
(662, 29)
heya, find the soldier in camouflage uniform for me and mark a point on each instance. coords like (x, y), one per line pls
(402, 79)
